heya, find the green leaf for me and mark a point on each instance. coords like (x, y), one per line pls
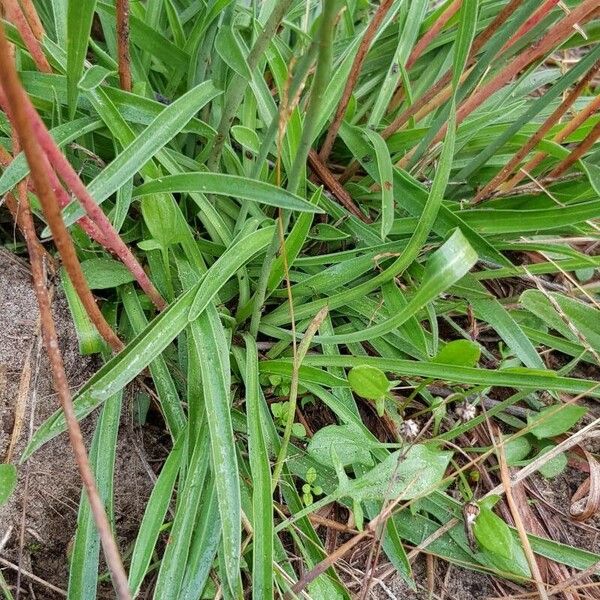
(105, 273)
(460, 353)
(230, 50)
(227, 185)
(156, 509)
(80, 14)
(386, 179)
(247, 137)
(146, 346)
(554, 420)
(516, 450)
(447, 265)
(327, 233)
(404, 475)
(554, 466)
(262, 510)
(351, 446)
(368, 382)
(8, 482)
(493, 533)
(213, 353)
(160, 132)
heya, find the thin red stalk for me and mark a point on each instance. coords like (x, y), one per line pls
(23, 127)
(539, 134)
(432, 33)
(421, 46)
(555, 36)
(324, 174)
(63, 198)
(478, 43)
(94, 212)
(439, 86)
(530, 23)
(33, 19)
(565, 132)
(122, 12)
(16, 16)
(33, 153)
(581, 148)
(359, 60)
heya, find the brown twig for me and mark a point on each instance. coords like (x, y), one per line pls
(516, 515)
(102, 229)
(357, 64)
(538, 135)
(324, 174)
(122, 16)
(23, 128)
(431, 33)
(530, 23)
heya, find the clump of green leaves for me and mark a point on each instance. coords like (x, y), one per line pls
(276, 160)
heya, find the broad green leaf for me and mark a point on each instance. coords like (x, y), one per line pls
(493, 533)
(405, 474)
(247, 137)
(350, 446)
(229, 49)
(368, 382)
(105, 273)
(262, 558)
(554, 466)
(516, 450)
(554, 420)
(213, 353)
(460, 353)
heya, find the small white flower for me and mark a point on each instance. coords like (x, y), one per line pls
(409, 429)
(466, 411)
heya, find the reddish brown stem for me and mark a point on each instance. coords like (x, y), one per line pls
(555, 36)
(581, 148)
(33, 19)
(324, 174)
(539, 134)
(359, 59)
(63, 198)
(563, 134)
(122, 10)
(94, 212)
(17, 18)
(432, 33)
(530, 23)
(23, 127)
(439, 86)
